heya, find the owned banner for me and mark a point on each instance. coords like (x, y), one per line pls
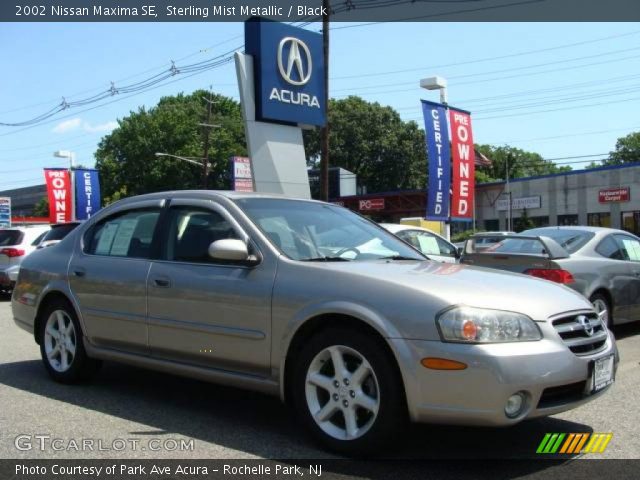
(463, 165)
(59, 193)
(87, 193)
(437, 140)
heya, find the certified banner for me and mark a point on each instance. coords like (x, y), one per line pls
(437, 140)
(463, 165)
(59, 194)
(87, 193)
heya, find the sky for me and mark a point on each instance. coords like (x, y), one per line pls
(559, 89)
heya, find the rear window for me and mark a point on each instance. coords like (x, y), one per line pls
(10, 237)
(570, 240)
(58, 232)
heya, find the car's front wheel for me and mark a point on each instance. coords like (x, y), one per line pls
(347, 391)
(601, 306)
(61, 345)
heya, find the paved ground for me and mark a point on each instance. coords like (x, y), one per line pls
(127, 404)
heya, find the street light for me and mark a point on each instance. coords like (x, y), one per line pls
(186, 159)
(65, 154)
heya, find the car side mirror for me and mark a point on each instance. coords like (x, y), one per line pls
(229, 249)
(459, 252)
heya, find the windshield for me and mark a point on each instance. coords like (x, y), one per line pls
(10, 237)
(317, 231)
(570, 240)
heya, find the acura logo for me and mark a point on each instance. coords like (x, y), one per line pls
(294, 61)
(586, 325)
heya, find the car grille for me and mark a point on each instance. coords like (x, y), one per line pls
(556, 396)
(584, 334)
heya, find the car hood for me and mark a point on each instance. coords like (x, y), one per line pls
(457, 284)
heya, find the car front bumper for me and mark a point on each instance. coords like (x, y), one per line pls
(553, 378)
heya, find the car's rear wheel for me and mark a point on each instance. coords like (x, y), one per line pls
(602, 308)
(347, 392)
(61, 345)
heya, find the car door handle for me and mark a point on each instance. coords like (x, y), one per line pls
(162, 282)
(79, 272)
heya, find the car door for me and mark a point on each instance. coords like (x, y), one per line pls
(203, 311)
(431, 245)
(108, 277)
(630, 248)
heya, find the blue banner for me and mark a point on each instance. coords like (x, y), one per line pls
(87, 186)
(438, 152)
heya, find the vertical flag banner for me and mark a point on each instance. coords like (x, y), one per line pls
(5, 212)
(437, 140)
(463, 166)
(242, 175)
(87, 193)
(59, 192)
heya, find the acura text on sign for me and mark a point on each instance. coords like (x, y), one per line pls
(614, 195)
(463, 165)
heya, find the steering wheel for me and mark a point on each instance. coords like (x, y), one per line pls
(347, 249)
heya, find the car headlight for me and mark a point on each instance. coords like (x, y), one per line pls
(479, 325)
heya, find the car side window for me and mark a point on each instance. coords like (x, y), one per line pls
(126, 234)
(609, 248)
(410, 237)
(629, 246)
(38, 239)
(191, 231)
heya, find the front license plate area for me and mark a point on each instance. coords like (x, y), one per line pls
(601, 373)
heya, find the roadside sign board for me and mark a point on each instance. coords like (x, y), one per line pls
(613, 195)
(5, 212)
(372, 204)
(242, 175)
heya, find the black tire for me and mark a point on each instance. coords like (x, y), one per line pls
(602, 298)
(81, 367)
(391, 413)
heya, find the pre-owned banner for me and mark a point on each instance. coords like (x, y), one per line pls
(59, 193)
(87, 193)
(437, 140)
(463, 165)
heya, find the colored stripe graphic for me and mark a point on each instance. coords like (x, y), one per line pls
(573, 443)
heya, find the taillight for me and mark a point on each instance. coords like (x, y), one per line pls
(554, 274)
(12, 252)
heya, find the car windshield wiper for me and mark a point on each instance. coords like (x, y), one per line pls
(325, 259)
(398, 257)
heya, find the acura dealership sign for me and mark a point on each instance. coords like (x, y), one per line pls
(288, 72)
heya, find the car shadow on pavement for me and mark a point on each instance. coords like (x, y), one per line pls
(259, 424)
(626, 330)
(5, 297)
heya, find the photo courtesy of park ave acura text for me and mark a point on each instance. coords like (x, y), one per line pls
(319, 238)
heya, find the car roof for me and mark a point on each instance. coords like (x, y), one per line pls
(230, 194)
(398, 227)
(580, 228)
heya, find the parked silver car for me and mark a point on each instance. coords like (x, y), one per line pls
(356, 330)
(430, 243)
(603, 264)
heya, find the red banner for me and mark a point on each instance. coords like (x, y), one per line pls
(463, 165)
(59, 193)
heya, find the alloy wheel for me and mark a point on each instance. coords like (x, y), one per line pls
(342, 392)
(600, 306)
(60, 341)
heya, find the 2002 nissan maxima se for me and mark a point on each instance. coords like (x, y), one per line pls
(355, 329)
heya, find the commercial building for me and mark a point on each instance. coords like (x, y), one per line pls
(23, 200)
(604, 196)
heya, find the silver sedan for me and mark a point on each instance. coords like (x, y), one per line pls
(353, 328)
(603, 264)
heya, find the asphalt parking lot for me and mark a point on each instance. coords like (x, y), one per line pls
(148, 409)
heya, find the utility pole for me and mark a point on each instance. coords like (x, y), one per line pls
(324, 132)
(206, 127)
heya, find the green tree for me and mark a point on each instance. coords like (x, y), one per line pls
(627, 150)
(372, 141)
(126, 157)
(524, 222)
(41, 209)
(521, 164)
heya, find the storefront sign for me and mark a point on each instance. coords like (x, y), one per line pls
(87, 193)
(437, 140)
(59, 194)
(611, 195)
(241, 173)
(518, 203)
(463, 165)
(5, 212)
(373, 204)
(288, 72)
